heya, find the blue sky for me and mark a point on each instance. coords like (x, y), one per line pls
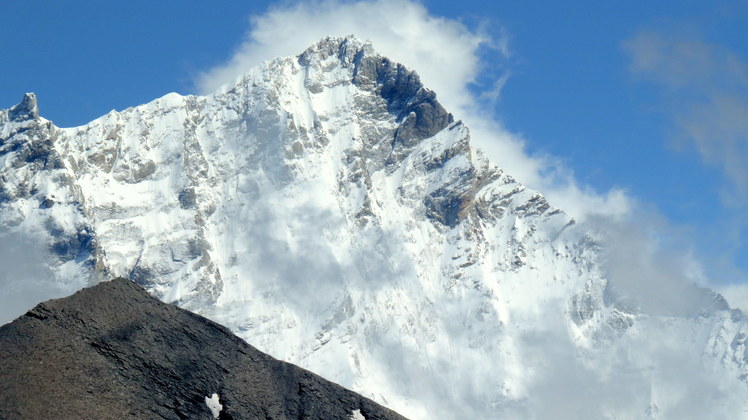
(648, 98)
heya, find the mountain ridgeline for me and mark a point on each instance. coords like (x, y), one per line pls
(112, 351)
(327, 209)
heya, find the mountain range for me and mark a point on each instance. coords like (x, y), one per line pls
(327, 209)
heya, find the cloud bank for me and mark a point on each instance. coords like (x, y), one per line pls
(25, 278)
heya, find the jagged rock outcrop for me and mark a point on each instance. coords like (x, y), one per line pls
(112, 351)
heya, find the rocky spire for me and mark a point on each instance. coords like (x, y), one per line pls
(27, 109)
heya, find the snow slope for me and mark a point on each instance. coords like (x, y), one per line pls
(328, 210)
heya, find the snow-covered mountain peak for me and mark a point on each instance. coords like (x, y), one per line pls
(330, 211)
(334, 63)
(348, 50)
(27, 109)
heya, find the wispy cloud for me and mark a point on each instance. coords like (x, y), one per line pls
(444, 51)
(705, 90)
(25, 278)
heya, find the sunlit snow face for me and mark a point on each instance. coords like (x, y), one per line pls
(333, 260)
(447, 56)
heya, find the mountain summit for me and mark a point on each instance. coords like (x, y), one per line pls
(330, 211)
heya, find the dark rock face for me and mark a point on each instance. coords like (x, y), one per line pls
(33, 145)
(113, 351)
(416, 108)
(187, 198)
(27, 109)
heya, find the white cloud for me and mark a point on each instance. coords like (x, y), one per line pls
(649, 375)
(25, 278)
(447, 56)
(443, 51)
(649, 270)
(736, 295)
(705, 90)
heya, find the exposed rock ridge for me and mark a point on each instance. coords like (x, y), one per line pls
(112, 351)
(415, 107)
(27, 109)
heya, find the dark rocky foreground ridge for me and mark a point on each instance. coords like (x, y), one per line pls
(113, 351)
